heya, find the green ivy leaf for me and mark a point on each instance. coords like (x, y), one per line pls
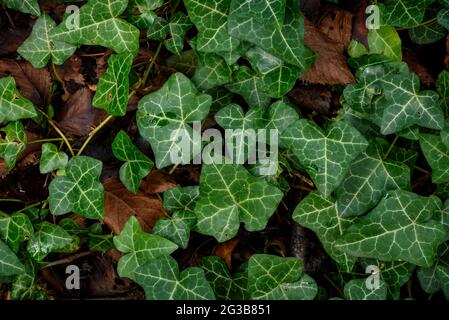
(25, 6)
(14, 229)
(249, 85)
(79, 191)
(141, 12)
(211, 19)
(139, 248)
(437, 155)
(320, 215)
(212, 71)
(443, 89)
(386, 41)
(358, 290)
(369, 178)
(40, 47)
(24, 286)
(113, 86)
(49, 238)
(175, 30)
(52, 159)
(276, 27)
(12, 105)
(277, 278)
(229, 195)
(405, 13)
(181, 199)
(225, 286)
(170, 110)
(162, 280)
(326, 156)
(137, 165)
(10, 265)
(99, 24)
(13, 144)
(399, 228)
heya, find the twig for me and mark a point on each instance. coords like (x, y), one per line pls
(68, 259)
(48, 140)
(11, 200)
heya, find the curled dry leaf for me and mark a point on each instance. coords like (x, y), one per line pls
(312, 99)
(158, 181)
(337, 25)
(226, 249)
(33, 84)
(71, 70)
(121, 204)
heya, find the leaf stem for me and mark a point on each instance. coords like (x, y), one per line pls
(48, 140)
(31, 206)
(391, 147)
(11, 200)
(151, 65)
(61, 134)
(57, 75)
(93, 133)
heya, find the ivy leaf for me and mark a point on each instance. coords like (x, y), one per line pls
(25, 6)
(249, 85)
(12, 105)
(162, 280)
(276, 27)
(52, 159)
(278, 78)
(141, 12)
(139, 248)
(79, 191)
(443, 89)
(358, 290)
(113, 86)
(405, 13)
(13, 144)
(40, 47)
(437, 155)
(320, 215)
(10, 265)
(399, 228)
(369, 178)
(211, 19)
(277, 278)
(14, 229)
(175, 29)
(137, 165)
(170, 110)
(404, 106)
(212, 71)
(229, 195)
(326, 156)
(443, 276)
(386, 41)
(225, 286)
(99, 24)
(181, 199)
(49, 238)
(24, 286)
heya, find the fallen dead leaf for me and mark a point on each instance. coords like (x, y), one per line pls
(225, 250)
(312, 99)
(330, 67)
(359, 30)
(34, 84)
(12, 38)
(121, 204)
(79, 117)
(71, 70)
(337, 25)
(420, 69)
(157, 181)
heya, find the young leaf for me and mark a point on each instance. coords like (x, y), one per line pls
(211, 19)
(437, 155)
(175, 30)
(386, 41)
(113, 87)
(139, 248)
(212, 71)
(12, 105)
(162, 280)
(326, 156)
(25, 6)
(79, 191)
(137, 165)
(168, 111)
(357, 290)
(50, 238)
(10, 265)
(181, 199)
(99, 24)
(141, 12)
(13, 144)
(277, 278)
(230, 195)
(40, 47)
(320, 215)
(401, 227)
(52, 159)
(405, 13)
(225, 286)
(14, 229)
(277, 27)
(249, 85)
(369, 178)
(177, 228)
